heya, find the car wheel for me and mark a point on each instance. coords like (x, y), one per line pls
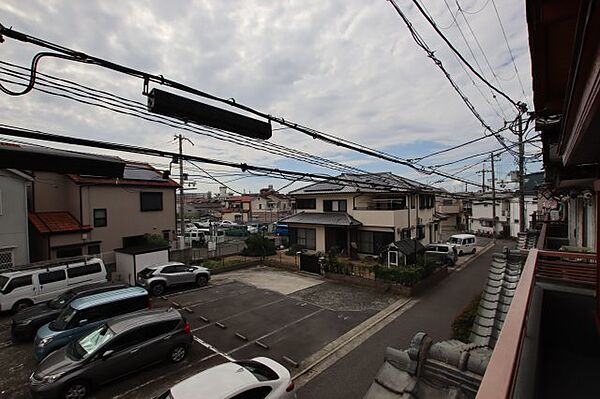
(474, 250)
(460, 253)
(201, 281)
(76, 390)
(157, 289)
(22, 304)
(178, 353)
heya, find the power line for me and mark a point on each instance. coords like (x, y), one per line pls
(69, 54)
(419, 40)
(290, 174)
(467, 64)
(509, 49)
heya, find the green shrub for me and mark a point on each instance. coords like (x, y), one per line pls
(155, 239)
(463, 323)
(405, 275)
(257, 245)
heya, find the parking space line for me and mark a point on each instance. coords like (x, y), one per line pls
(193, 305)
(277, 330)
(240, 313)
(212, 348)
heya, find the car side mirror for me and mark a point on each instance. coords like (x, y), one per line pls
(107, 354)
(83, 322)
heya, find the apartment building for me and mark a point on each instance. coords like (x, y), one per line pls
(268, 206)
(14, 238)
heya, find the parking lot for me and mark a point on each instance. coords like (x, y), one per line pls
(254, 312)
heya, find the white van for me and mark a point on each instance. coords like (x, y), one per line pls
(22, 288)
(464, 243)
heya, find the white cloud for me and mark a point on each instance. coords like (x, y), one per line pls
(347, 67)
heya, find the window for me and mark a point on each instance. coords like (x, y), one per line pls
(420, 232)
(17, 282)
(254, 393)
(259, 206)
(259, 370)
(52, 277)
(93, 249)
(426, 201)
(393, 258)
(405, 234)
(6, 258)
(84, 270)
(447, 202)
(99, 217)
(307, 238)
(334, 205)
(373, 242)
(151, 201)
(365, 242)
(67, 252)
(306, 203)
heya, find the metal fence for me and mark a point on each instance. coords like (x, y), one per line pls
(191, 255)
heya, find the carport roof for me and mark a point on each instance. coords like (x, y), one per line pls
(322, 218)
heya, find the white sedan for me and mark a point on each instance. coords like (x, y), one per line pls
(227, 223)
(259, 378)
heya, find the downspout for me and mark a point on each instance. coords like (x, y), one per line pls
(80, 207)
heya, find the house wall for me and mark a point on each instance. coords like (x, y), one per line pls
(374, 219)
(582, 222)
(319, 235)
(13, 216)
(531, 206)
(124, 215)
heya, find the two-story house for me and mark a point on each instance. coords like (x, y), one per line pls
(454, 213)
(362, 218)
(81, 214)
(238, 208)
(269, 206)
(14, 240)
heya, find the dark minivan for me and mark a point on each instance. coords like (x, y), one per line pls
(85, 314)
(119, 346)
(27, 321)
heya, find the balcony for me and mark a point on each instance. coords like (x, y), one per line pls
(549, 346)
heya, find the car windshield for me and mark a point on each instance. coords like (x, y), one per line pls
(454, 240)
(87, 345)
(3, 281)
(259, 370)
(165, 395)
(146, 273)
(63, 319)
(60, 301)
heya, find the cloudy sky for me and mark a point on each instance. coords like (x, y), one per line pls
(346, 67)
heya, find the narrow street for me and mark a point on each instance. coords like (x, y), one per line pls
(352, 375)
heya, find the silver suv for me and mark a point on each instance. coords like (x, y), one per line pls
(158, 277)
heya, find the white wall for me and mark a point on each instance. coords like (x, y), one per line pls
(13, 216)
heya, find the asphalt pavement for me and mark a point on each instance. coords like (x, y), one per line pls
(351, 376)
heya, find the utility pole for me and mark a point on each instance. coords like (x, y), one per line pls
(180, 138)
(493, 200)
(181, 197)
(521, 174)
(483, 178)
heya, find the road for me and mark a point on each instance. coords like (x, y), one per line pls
(351, 376)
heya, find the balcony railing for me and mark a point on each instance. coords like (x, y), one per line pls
(565, 268)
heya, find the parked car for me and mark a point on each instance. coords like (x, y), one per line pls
(85, 314)
(464, 243)
(202, 225)
(20, 289)
(195, 236)
(446, 253)
(260, 377)
(158, 277)
(26, 322)
(253, 228)
(119, 346)
(227, 224)
(218, 235)
(281, 229)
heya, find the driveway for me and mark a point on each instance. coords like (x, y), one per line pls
(255, 312)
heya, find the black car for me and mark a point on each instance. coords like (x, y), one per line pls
(26, 322)
(120, 346)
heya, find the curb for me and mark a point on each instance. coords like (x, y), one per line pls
(335, 346)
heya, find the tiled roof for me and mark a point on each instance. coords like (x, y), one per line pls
(322, 218)
(134, 174)
(527, 239)
(56, 222)
(243, 198)
(364, 184)
(497, 296)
